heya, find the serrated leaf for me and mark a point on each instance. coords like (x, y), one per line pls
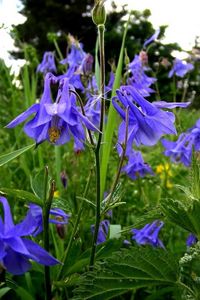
(128, 269)
(179, 213)
(4, 159)
(21, 194)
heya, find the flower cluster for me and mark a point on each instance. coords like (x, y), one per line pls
(146, 122)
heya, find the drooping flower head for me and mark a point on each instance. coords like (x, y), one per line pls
(136, 167)
(181, 150)
(139, 79)
(55, 121)
(15, 250)
(34, 218)
(147, 123)
(47, 64)
(103, 231)
(76, 54)
(152, 38)
(191, 240)
(195, 133)
(148, 235)
(180, 68)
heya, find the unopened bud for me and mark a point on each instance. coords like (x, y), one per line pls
(144, 57)
(63, 178)
(99, 13)
(61, 230)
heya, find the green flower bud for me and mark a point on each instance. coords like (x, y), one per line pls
(99, 13)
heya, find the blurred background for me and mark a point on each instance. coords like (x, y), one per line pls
(28, 28)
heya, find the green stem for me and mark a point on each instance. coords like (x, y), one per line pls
(65, 257)
(101, 29)
(58, 166)
(58, 49)
(46, 210)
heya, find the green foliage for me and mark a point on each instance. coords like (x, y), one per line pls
(5, 158)
(185, 211)
(128, 269)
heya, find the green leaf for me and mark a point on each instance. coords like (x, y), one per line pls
(87, 201)
(24, 195)
(37, 184)
(128, 269)
(4, 159)
(182, 214)
(23, 294)
(4, 291)
(112, 115)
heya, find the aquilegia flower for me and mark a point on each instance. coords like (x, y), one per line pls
(148, 235)
(15, 251)
(181, 150)
(180, 68)
(76, 54)
(152, 38)
(34, 218)
(139, 79)
(147, 123)
(191, 240)
(58, 121)
(136, 167)
(103, 231)
(47, 64)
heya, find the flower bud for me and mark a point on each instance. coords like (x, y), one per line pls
(99, 13)
(63, 178)
(61, 230)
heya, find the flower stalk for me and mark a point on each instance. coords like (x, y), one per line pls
(46, 211)
(101, 29)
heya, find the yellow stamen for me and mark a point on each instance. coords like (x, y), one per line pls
(54, 134)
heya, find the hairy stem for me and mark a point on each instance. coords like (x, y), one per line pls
(101, 29)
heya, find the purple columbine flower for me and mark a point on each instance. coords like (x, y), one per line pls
(181, 150)
(195, 133)
(47, 64)
(139, 79)
(76, 54)
(15, 250)
(147, 123)
(152, 38)
(191, 240)
(148, 235)
(136, 166)
(85, 67)
(55, 121)
(180, 68)
(34, 218)
(103, 231)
